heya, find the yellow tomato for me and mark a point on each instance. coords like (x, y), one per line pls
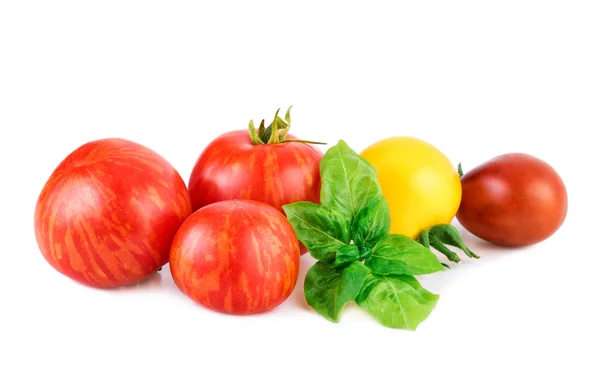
(418, 181)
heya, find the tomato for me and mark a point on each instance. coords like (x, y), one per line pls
(236, 256)
(513, 200)
(108, 213)
(418, 181)
(233, 166)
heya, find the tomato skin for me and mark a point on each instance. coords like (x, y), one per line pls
(419, 183)
(513, 200)
(231, 167)
(108, 213)
(236, 256)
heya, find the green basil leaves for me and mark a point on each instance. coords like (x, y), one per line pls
(323, 230)
(372, 222)
(358, 259)
(398, 255)
(327, 289)
(348, 181)
(396, 301)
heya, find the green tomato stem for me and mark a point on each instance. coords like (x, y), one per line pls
(276, 132)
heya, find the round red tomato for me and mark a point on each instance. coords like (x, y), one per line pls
(238, 257)
(237, 166)
(108, 213)
(513, 200)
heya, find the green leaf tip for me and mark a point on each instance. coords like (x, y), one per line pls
(327, 289)
(397, 254)
(348, 181)
(254, 135)
(288, 117)
(396, 301)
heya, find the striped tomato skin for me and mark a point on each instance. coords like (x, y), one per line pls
(231, 167)
(237, 256)
(108, 213)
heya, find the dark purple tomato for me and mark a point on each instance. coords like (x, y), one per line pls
(513, 200)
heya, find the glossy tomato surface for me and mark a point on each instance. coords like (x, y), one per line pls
(513, 200)
(419, 183)
(231, 167)
(108, 213)
(238, 257)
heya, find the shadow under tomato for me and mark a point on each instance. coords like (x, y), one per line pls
(152, 281)
(475, 243)
(488, 251)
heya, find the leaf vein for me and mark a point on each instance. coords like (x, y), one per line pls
(347, 182)
(319, 230)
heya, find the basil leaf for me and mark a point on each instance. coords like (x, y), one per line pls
(328, 289)
(372, 223)
(348, 181)
(396, 301)
(449, 235)
(322, 230)
(346, 254)
(399, 254)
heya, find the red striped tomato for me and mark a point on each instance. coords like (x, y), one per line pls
(232, 167)
(238, 257)
(108, 213)
(249, 164)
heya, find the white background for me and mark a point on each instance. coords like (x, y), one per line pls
(474, 78)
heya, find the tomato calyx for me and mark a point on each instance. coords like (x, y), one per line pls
(276, 132)
(439, 236)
